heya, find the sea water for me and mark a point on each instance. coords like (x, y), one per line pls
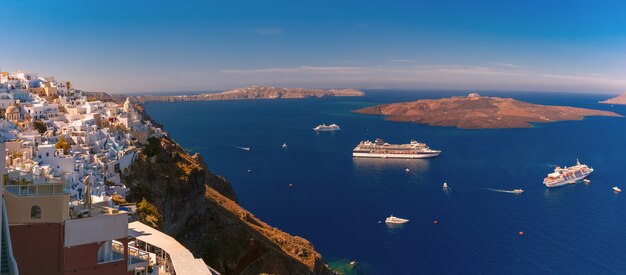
(337, 202)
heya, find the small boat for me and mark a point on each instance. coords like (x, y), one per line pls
(249, 171)
(395, 220)
(587, 181)
(616, 189)
(518, 191)
(445, 185)
(352, 264)
(290, 185)
(407, 170)
(285, 145)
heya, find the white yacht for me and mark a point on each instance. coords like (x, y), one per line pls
(395, 220)
(616, 189)
(445, 185)
(285, 145)
(518, 191)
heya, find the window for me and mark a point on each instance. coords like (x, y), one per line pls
(35, 212)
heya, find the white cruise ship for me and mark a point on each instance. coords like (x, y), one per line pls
(381, 149)
(567, 175)
(326, 128)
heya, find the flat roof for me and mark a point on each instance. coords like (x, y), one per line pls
(184, 262)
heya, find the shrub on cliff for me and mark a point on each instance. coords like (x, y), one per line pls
(153, 147)
(149, 213)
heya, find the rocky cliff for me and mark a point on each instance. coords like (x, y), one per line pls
(252, 92)
(479, 112)
(181, 197)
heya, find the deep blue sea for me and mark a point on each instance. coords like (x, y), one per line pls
(337, 201)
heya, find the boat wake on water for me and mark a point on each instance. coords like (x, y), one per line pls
(242, 148)
(515, 191)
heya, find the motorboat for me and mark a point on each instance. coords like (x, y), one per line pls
(395, 220)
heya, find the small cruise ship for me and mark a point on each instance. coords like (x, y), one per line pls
(395, 220)
(326, 128)
(567, 175)
(381, 149)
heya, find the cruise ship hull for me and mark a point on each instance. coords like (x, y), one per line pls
(569, 180)
(397, 156)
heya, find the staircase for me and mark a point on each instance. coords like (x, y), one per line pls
(8, 266)
(4, 260)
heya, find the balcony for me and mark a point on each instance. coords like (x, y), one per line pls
(38, 189)
(26, 184)
(137, 258)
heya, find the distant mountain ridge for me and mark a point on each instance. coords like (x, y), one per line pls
(479, 112)
(252, 92)
(620, 100)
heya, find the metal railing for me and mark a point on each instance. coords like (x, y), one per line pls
(135, 255)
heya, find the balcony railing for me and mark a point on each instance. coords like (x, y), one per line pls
(136, 257)
(21, 183)
(38, 189)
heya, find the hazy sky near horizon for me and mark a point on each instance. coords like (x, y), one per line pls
(141, 46)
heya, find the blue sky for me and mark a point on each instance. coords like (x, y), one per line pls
(139, 46)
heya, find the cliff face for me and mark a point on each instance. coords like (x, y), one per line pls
(479, 112)
(199, 209)
(252, 92)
